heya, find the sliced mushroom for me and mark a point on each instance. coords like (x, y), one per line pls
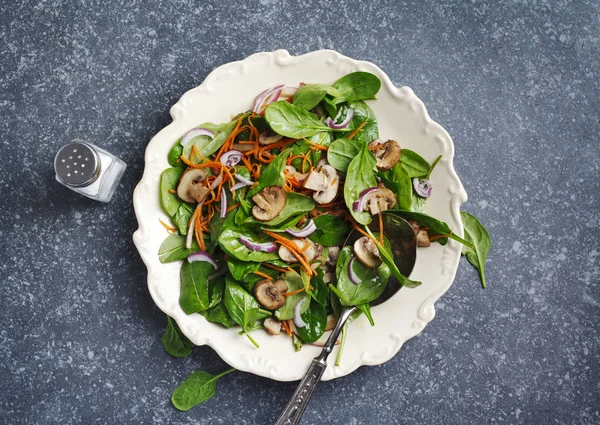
(387, 153)
(415, 225)
(243, 147)
(269, 137)
(269, 295)
(379, 200)
(367, 253)
(272, 326)
(423, 238)
(308, 247)
(334, 253)
(192, 186)
(325, 182)
(269, 202)
(295, 174)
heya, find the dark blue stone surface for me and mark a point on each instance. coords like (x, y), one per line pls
(516, 84)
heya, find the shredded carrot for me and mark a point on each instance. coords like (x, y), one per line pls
(271, 266)
(286, 328)
(355, 132)
(380, 229)
(290, 324)
(172, 191)
(297, 291)
(170, 229)
(186, 161)
(436, 237)
(296, 252)
(198, 228)
(290, 159)
(317, 147)
(266, 276)
(306, 158)
(357, 227)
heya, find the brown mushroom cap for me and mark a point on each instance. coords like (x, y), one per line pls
(379, 200)
(367, 253)
(387, 154)
(192, 186)
(268, 137)
(269, 202)
(268, 294)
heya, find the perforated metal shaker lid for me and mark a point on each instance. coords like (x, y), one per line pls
(77, 164)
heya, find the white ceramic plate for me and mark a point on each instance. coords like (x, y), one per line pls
(231, 89)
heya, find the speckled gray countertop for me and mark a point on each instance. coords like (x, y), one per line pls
(515, 83)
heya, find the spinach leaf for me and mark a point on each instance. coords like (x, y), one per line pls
(387, 257)
(363, 113)
(194, 295)
(356, 86)
(320, 293)
(244, 211)
(360, 176)
(295, 205)
(173, 249)
(291, 121)
(436, 227)
(341, 152)
(297, 343)
(329, 106)
(230, 243)
(302, 147)
(168, 181)
(397, 180)
(414, 164)
(331, 230)
(418, 203)
(174, 155)
(323, 139)
(218, 314)
(480, 241)
(272, 175)
(316, 321)
(366, 310)
(182, 217)
(294, 282)
(198, 388)
(174, 341)
(205, 144)
(371, 283)
(240, 269)
(309, 95)
(243, 308)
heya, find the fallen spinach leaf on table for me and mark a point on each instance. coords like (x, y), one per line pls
(174, 341)
(198, 388)
(477, 235)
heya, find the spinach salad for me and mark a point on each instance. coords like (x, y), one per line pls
(261, 207)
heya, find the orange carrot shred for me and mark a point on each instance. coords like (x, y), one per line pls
(355, 132)
(169, 228)
(266, 276)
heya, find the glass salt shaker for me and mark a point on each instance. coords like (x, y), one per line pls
(89, 170)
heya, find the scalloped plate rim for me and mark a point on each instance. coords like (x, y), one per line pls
(261, 365)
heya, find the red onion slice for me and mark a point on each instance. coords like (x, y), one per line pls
(266, 97)
(288, 92)
(308, 230)
(331, 123)
(191, 227)
(223, 203)
(297, 319)
(231, 158)
(243, 182)
(202, 256)
(360, 204)
(351, 274)
(423, 187)
(263, 247)
(195, 132)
